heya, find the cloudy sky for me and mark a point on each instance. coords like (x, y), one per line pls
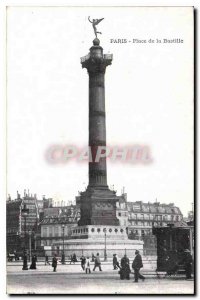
(149, 99)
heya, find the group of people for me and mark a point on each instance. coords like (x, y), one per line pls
(85, 263)
(73, 258)
(123, 266)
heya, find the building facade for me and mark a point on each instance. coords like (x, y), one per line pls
(46, 225)
(143, 216)
(22, 222)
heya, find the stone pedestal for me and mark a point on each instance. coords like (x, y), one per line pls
(105, 240)
(98, 207)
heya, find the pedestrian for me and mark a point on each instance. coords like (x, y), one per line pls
(137, 265)
(54, 263)
(33, 262)
(47, 260)
(125, 268)
(97, 263)
(188, 263)
(71, 259)
(74, 259)
(83, 260)
(87, 265)
(115, 262)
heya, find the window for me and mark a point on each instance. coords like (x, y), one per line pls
(56, 231)
(45, 231)
(50, 231)
(119, 214)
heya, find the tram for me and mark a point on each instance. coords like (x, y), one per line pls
(173, 241)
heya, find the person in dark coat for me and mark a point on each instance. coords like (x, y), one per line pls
(54, 263)
(137, 265)
(188, 263)
(125, 268)
(83, 260)
(115, 262)
(97, 263)
(33, 262)
(71, 259)
(74, 258)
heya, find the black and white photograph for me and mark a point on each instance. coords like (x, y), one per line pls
(100, 150)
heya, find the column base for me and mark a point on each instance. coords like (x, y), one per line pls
(98, 206)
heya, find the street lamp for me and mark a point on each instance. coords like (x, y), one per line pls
(25, 212)
(30, 233)
(63, 253)
(105, 253)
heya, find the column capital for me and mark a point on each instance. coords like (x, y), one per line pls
(96, 62)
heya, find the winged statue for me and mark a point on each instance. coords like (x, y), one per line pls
(95, 22)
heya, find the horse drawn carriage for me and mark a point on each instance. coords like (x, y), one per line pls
(174, 245)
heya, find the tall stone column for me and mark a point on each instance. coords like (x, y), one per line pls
(98, 202)
(96, 63)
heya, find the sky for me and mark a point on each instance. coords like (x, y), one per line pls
(149, 99)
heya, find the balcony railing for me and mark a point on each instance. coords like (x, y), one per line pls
(84, 58)
(105, 56)
(108, 56)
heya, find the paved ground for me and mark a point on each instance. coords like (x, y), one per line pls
(69, 279)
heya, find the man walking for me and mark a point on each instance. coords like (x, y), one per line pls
(83, 260)
(115, 262)
(137, 265)
(97, 262)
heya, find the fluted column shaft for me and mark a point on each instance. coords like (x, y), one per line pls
(95, 63)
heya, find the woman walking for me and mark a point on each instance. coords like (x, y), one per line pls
(54, 263)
